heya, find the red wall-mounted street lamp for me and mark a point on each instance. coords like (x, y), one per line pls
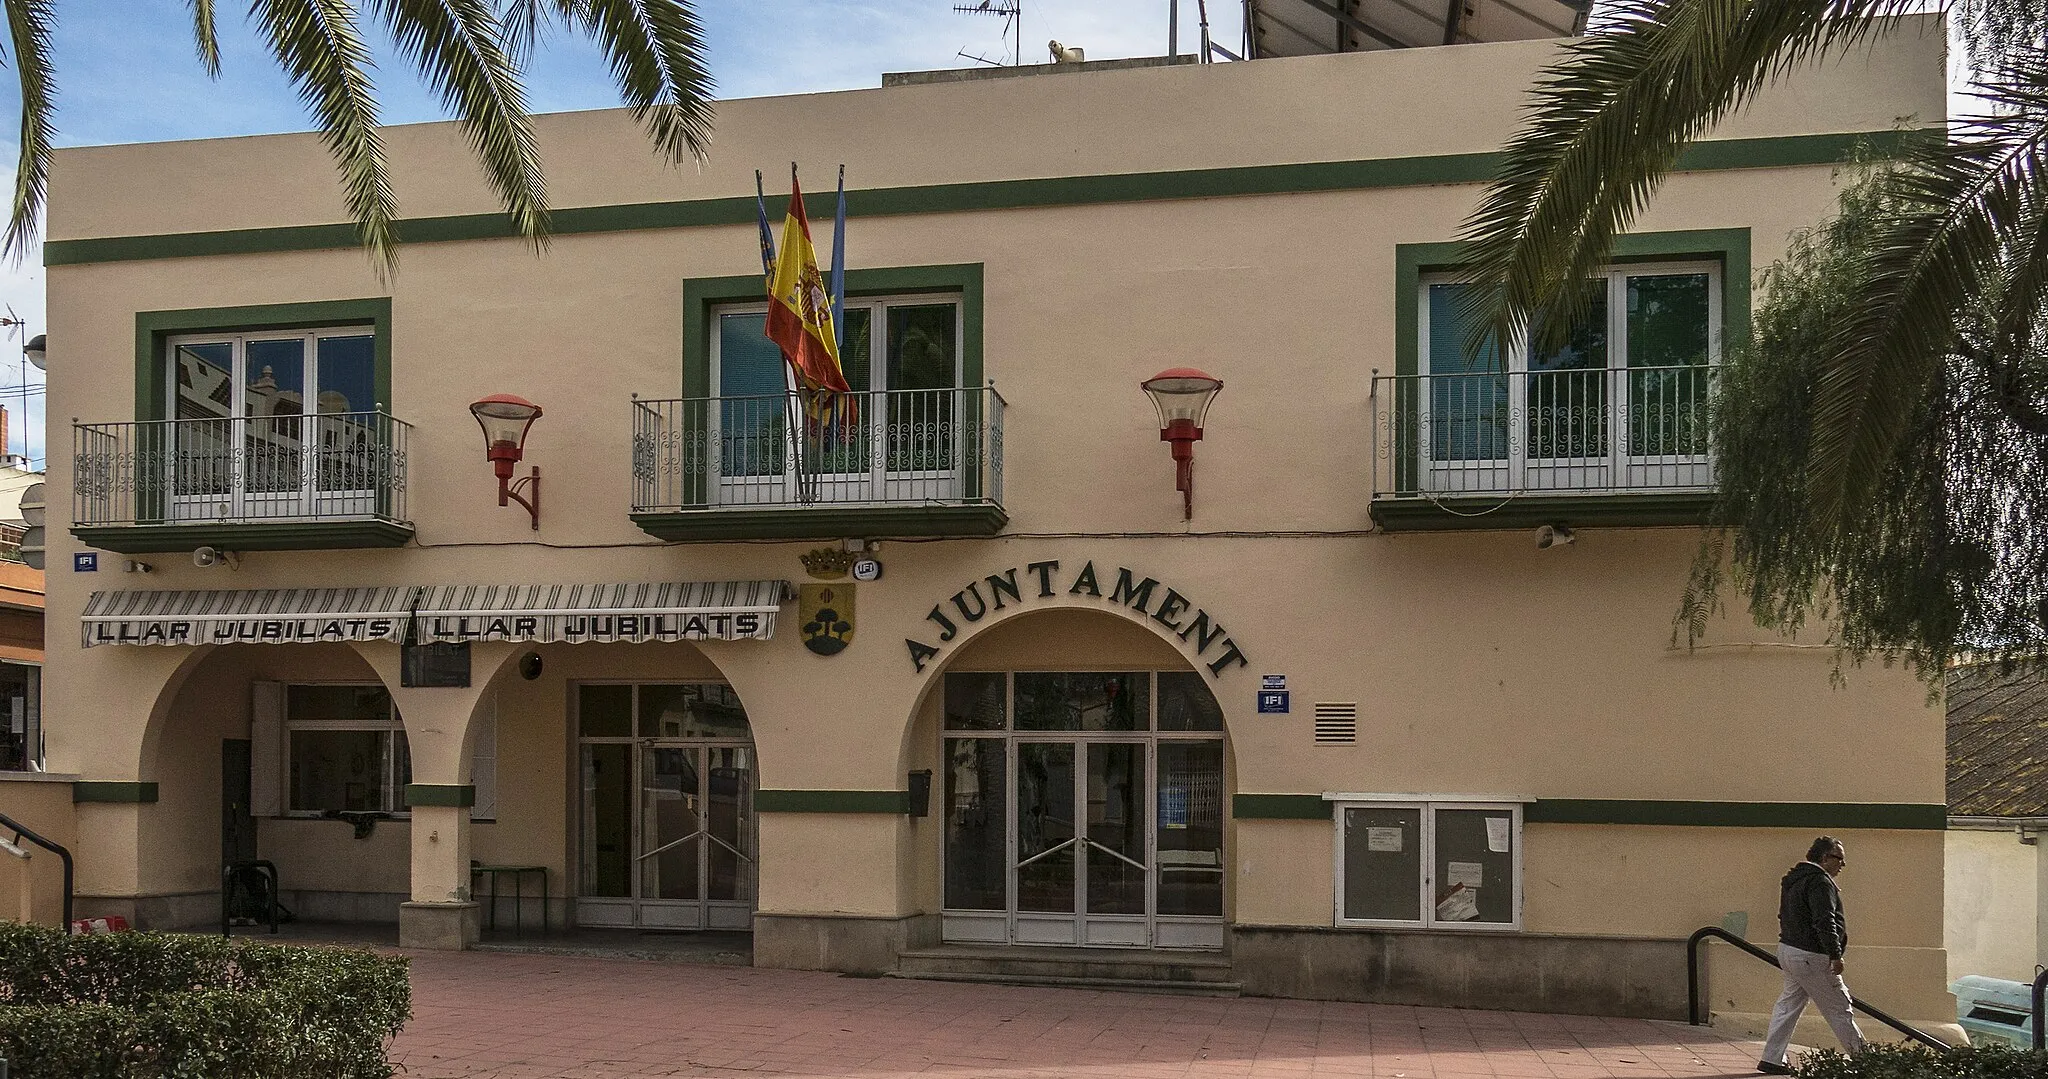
(1182, 396)
(505, 419)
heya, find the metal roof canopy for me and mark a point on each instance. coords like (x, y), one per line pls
(1315, 27)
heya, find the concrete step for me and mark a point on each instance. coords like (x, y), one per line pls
(1114, 985)
(1103, 965)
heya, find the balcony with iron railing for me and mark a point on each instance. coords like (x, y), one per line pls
(1494, 449)
(889, 462)
(299, 482)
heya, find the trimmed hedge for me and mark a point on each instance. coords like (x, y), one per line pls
(1883, 1061)
(173, 1006)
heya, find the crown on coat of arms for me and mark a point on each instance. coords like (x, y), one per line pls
(828, 563)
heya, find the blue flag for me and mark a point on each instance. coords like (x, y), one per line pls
(767, 239)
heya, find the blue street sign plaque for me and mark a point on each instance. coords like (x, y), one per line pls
(1273, 702)
(85, 562)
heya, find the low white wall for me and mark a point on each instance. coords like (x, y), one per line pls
(1994, 911)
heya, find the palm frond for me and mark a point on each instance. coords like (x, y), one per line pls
(457, 46)
(28, 22)
(320, 48)
(656, 51)
(1607, 123)
(1962, 233)
(204, 37)
(524, 20)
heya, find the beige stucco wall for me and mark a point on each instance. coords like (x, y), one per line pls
(1480, 664)
(1996, 912)
(41, 803)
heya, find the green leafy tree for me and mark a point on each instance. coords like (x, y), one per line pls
(471, 51)
(1881, 438)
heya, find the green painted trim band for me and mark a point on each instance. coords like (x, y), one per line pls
(1279, 807)
(1784, 151)
(894, 802)
(453, 795)
(800, 523)
(278, 536)
(1819, 815)
(100, 790)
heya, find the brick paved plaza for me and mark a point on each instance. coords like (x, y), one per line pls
(523, 1016)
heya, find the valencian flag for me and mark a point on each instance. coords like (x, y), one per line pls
(800, 307)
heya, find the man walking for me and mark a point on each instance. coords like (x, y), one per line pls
(1811, 937)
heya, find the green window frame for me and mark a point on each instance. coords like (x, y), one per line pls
(154, 330)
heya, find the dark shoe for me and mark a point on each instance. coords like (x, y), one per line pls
(1768, 1068)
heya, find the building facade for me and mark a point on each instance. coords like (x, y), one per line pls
(956, 669)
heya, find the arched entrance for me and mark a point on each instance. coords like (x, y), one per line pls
(666, 836)
(1084, 799)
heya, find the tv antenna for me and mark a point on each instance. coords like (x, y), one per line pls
(1012, 13)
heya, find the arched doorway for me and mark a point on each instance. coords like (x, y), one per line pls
(1084, 801)
(666, 836)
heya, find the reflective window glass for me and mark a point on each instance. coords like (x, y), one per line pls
(1083, 701)
(974, 701)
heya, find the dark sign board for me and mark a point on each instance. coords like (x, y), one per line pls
(429, 665)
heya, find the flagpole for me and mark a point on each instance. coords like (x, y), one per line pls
(799, 400)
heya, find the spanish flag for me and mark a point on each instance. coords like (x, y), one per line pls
(800, 306)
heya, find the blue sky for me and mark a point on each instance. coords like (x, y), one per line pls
(126, 72)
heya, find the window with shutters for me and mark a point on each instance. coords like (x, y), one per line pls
(341, 747)
(345, 750)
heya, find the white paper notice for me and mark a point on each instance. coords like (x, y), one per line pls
(1462, 905)
(1497, 834)
(1383, 839)
(1469, 874)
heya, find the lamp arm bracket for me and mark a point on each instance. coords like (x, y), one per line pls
(509, 489)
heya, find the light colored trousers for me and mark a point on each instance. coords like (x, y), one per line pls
(1807, 977)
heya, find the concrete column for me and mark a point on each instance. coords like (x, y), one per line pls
(441, 913)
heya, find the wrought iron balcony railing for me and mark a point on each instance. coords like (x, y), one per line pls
(879, 448)
(332, 466)
(1581, 431)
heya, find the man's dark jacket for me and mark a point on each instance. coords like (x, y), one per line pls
(1810, 911)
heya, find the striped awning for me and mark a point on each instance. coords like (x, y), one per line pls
(248, 616)
(671, 611)
(635, 613)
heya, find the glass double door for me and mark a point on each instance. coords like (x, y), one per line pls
(1110, 843)
(668, 835)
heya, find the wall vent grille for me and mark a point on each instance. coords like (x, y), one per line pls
(1336, 723)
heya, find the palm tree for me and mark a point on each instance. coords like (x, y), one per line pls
(1937, 305)
(469, 50)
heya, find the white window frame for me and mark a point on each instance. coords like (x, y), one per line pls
(238, 501)
(393, 724)
(1518, 464)
(877, 336)
(1427, 805)
(879, 481)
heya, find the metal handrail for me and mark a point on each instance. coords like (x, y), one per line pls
(2040, 998)
(1692, 986)
(22, 832)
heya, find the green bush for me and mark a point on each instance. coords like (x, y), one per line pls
(1919, 1062)
(170, 1006)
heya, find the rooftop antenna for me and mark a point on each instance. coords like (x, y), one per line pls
(1012, 12)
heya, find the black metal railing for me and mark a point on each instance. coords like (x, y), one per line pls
(22, 832)
(1695, 1014)
(1588, 431)
(918, 447)
(326, 466)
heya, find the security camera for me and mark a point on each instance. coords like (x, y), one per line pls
(139, 567)
(1549, 536)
